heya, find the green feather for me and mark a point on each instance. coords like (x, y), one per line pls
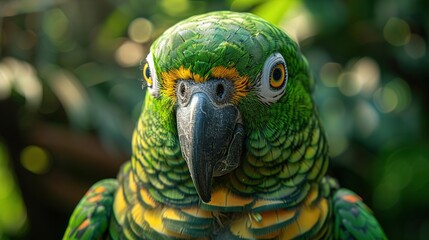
(91, 217)
(279, 186)
(353, 219)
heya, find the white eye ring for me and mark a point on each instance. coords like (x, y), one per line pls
(154, 88)
(273, 80)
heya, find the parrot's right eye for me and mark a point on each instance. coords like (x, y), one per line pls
(146, 75)
(149, 75)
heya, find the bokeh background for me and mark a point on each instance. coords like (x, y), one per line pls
(70, 93)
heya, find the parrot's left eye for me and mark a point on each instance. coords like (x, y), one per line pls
(277, 76)
(150, 77)
(273, 79)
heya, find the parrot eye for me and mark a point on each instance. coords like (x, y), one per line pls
(273, 79)
(151, 79)
(146, 75)
(277, 76)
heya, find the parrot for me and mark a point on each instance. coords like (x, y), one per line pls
(228, 145)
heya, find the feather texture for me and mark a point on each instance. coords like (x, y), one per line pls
(278, 191)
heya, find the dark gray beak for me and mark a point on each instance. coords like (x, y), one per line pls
(210, 131)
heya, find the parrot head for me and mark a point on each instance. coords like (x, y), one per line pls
(215, 78)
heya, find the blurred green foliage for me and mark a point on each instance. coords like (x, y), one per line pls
(70, 94)
(13, 214)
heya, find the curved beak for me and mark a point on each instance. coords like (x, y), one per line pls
(211, 137)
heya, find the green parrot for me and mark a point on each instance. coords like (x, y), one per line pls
(228, 145)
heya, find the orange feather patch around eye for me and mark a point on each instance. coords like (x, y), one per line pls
(241, 83)
(169, 79)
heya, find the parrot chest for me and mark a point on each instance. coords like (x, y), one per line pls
(138, 216)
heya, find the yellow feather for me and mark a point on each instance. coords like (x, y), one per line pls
(271, 218)
(131, 183)
(240, 228)
(155, 221)
(138, 169)
(145, 196)
(197, 212)
(120, 205)
(224, 198)
(312, 195)
(138, 213)
(172, 214)
(310, 215)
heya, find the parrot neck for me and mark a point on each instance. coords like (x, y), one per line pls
(281, 164)
(157, 161)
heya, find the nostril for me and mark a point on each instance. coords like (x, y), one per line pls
(220, 91)
(182, 90)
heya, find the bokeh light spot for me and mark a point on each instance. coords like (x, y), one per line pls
(366, 118)
(420, 166)
(5, 82)
(129, 54)
(367, 74)
(385, 197)
(399, 174)
(35, 159)
(396, 31)
(55, 24)
(140, 30)
(334, 111)
(389, 99)
(394, 96)
(416, 48)
(7, 184)
(300, 25)
(175, 7)
(22, 77)
(349, 84)
(338, 143)
(329, 73)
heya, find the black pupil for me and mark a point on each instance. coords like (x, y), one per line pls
(147, 72)
(277, 74)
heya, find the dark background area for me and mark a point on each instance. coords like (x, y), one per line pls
(70, 93)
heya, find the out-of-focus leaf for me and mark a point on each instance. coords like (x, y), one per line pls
(20, 77)
(72, 95)
(242, 5)
(13, 215)
(112, 122)
(113, 29)
(274, 10)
